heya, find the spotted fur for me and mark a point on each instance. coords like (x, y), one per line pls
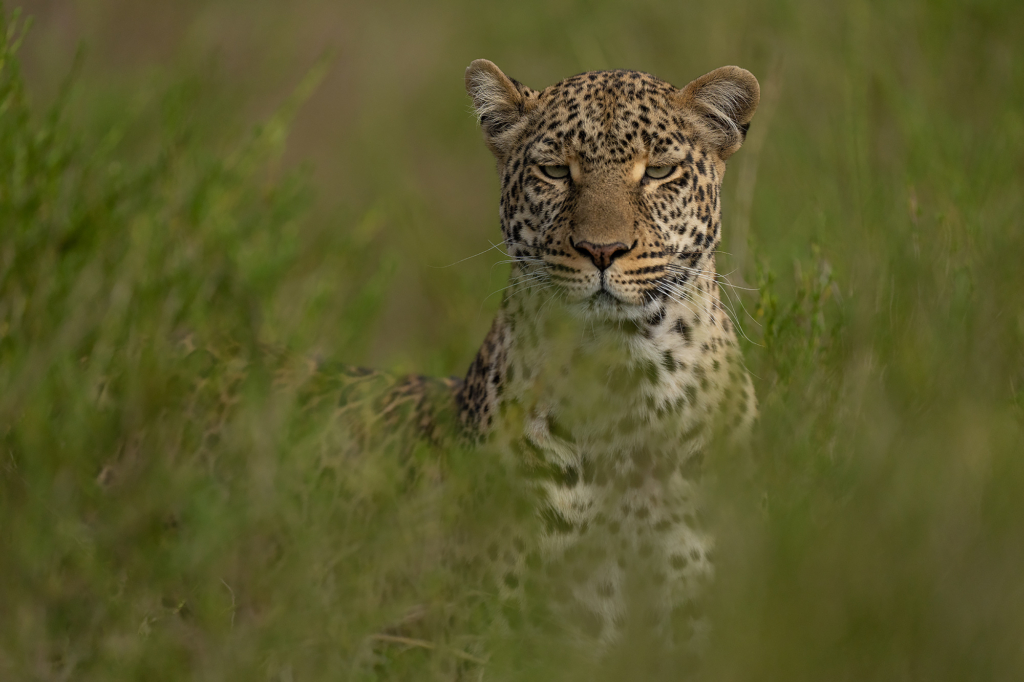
(612, 362)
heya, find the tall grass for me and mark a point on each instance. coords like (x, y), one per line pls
(172, 504)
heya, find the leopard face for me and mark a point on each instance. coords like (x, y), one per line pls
(611, 180)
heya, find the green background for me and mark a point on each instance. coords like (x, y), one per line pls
(185, 185)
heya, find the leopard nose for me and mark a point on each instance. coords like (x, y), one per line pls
(601, 255)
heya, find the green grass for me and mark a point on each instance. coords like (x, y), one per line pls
(169, 509)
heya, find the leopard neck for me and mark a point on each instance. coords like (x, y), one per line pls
(541, 355)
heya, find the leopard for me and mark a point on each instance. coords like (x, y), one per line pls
(612, 364)
(613, 361)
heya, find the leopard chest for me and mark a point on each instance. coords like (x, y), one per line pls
(611, 431)
(615, 513)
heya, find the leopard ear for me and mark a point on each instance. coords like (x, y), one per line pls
(721, 104)
(501, 105)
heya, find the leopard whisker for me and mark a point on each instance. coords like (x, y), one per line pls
(722, 280)
(518, 260)
(491, 248)
(730, 311)
(680, 287)
(684, 297)
(515, 282)
(555, 294)
(739, 300)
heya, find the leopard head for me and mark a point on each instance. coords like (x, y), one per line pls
(610, 180)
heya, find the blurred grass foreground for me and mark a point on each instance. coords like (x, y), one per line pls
(167, 510)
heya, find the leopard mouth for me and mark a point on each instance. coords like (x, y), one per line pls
(605, 303)
(597, 297)
(607, 295)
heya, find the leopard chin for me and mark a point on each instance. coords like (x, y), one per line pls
(606, 305)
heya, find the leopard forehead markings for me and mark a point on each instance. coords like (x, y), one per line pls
(612, 358)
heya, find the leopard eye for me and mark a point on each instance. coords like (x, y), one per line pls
(659, 172)
(555, 172)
